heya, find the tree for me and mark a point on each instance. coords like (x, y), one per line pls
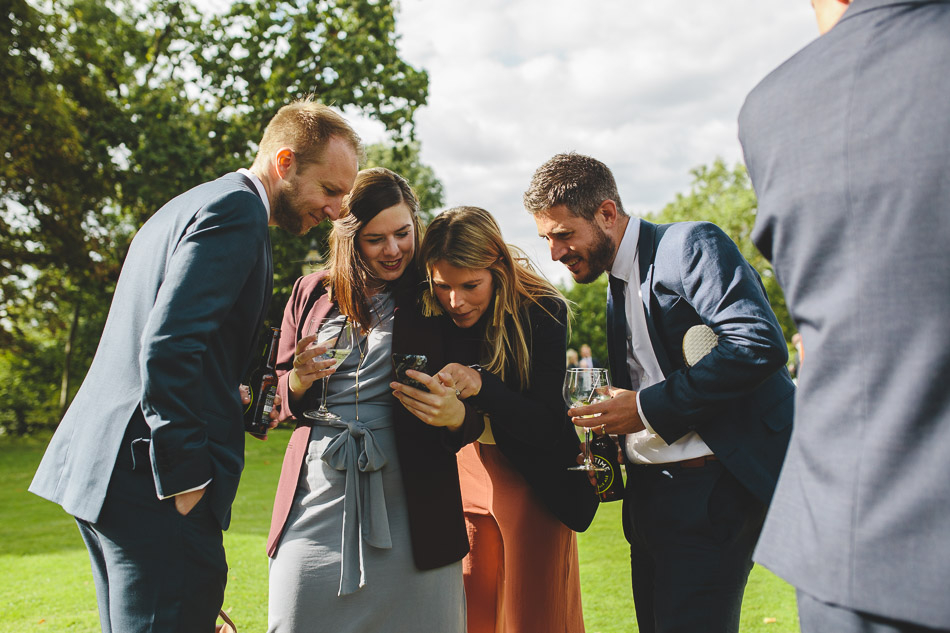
(111, 109)
(342, 51)
(403, 159)
(590, 316)
(59, 125)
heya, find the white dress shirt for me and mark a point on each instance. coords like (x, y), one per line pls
(645, 447)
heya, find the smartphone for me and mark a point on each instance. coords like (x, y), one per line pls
(402, 362)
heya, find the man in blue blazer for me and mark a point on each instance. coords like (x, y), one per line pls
(148, 456)
(848, 147)
(703, 443)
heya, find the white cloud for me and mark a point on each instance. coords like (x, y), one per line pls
(652, 89)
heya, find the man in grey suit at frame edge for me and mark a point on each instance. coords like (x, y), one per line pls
(149, 454)
(848, 147)
(704, 442)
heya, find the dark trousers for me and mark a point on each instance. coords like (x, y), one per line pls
(816, 616)
(692, 532)
(155, 570)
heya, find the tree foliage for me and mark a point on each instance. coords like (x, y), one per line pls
(404, 159)
(111, 108)
(589, 304)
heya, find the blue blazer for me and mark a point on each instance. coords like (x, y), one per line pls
(739, 398)
(188, 305)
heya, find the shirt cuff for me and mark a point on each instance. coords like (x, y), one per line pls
(201, 487)
(643, 418)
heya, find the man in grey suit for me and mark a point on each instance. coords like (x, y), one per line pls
(148, 456)
(848, 147)
(703, 442)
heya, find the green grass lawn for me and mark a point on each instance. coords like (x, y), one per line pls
(47, 585)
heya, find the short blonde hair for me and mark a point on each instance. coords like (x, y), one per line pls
(306, 127)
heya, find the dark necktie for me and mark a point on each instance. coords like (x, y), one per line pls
(617, 334)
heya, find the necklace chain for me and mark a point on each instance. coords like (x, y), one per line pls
(359, 349)
(362, 353)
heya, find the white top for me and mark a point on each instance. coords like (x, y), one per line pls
(645, 447)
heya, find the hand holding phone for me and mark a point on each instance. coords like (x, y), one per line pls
(417, 362)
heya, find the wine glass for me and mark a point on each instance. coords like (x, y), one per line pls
(339, 343)
(583, 386)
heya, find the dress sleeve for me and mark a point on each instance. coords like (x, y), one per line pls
(296, 311)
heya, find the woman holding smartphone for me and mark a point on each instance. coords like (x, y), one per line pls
(521, 503)
(367, 531)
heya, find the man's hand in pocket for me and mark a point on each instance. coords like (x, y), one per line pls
(186, 501)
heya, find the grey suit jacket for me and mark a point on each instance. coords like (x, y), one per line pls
(739, 398)
(848, 147)
(190, 300)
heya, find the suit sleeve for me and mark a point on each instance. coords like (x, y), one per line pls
(532, 415)
(205, 275)
(727, 295)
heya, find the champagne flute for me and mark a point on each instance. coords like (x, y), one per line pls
(583, 386)
(339, 343)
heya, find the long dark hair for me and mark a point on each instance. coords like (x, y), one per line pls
(350, 277)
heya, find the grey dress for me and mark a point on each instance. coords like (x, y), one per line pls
(345, 560)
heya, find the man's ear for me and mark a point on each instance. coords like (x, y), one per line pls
(606, 214)
(284, 162)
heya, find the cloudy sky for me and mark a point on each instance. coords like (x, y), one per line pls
(652, 89)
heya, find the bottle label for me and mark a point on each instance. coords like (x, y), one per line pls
(268, 405)
(605, 478)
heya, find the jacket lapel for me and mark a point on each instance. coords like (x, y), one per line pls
(650, 235)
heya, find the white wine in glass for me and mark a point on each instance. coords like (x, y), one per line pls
(339, 342)
(584, 386)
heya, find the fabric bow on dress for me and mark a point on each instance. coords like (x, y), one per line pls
(356, 451)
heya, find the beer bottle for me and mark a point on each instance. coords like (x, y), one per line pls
(263, 387)
(603, 452)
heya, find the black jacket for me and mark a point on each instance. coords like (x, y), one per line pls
(531, 427)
